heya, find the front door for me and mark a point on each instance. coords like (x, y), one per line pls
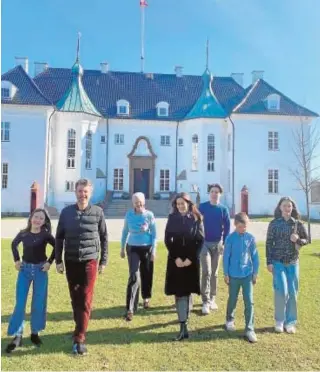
(141, 182)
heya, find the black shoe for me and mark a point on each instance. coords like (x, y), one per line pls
(183, 332)
(16, 342)
(35, 339)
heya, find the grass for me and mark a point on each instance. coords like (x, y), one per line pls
(145, 343)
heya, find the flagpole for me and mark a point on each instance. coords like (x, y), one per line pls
(142, 37)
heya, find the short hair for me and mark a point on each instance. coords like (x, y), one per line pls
(218, 186)
(241, 217)
(139, 195)
(83, 182)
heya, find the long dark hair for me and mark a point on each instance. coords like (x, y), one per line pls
(47, 222)
(192, 208)
(295, 213)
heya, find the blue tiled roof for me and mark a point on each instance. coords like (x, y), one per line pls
(207, 106)
(142, 92)
(255, 102)
(28, 92)
(76, 99)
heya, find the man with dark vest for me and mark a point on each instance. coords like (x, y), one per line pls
(82, 232)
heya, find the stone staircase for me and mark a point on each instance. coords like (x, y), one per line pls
(119, 207)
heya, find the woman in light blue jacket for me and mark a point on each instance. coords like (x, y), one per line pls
(139, 241)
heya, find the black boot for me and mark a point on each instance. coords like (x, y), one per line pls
(35, 339)
(16, 342)
(183, 332)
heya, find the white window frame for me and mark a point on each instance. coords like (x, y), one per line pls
(119, 139)
(4, 175)
(163, 106)
(164, 184)
(211, 152)
(118, 179)
(123, 107)
(165, 140)
(70, 186)
(71, 148)
(273, 141)
(273, 181)
(5, 131)
(89, 140)
(273, 102)
(180, 142)
(104, 137)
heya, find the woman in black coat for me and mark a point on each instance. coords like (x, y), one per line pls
(183, 239)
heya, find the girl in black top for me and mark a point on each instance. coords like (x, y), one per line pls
(33, 269)
(183, 238)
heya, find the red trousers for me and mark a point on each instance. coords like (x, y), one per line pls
(81, 278)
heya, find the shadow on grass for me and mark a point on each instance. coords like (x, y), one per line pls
(62, 342)
(315, 254)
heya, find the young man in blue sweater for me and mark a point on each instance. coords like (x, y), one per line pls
(240, 266)
(216, 228)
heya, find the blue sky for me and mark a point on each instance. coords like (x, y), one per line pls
(279, 37)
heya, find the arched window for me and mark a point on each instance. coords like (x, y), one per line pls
(210, 153)
(71, 151)
(195, 141)
(123, 107)
(163, 109)
(88, 149)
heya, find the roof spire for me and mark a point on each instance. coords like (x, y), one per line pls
(78, 47)
(207, 54)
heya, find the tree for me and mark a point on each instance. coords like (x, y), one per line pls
(306, 140)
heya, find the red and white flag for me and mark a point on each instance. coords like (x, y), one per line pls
(143, 3)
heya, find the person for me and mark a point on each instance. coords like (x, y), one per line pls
(139, 238)
(183, 238)
(216, 228)
(286, 234)
(240, 267)
(33, 269)
(82, 232)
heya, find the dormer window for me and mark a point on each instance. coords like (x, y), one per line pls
(5, 93)
(8, 90)
(273, 102)
(123, 107)
(163, 109)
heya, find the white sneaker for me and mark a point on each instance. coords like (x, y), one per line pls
(205, 309)
(251, 336)
(213, 304)
(290, 329)
(230, 326)
(278, 327)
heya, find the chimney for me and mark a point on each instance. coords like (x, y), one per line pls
(256, 75)
(238, 77)
(178, 71)
(104, 67)
(23, 61)
(40, 67)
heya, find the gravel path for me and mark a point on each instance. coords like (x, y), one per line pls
(10, 227)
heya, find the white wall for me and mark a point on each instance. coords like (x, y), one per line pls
(25, 155)
(202, 177)
(252, 161)
(132, 130)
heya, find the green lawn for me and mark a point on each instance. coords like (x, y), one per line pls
(145, 343)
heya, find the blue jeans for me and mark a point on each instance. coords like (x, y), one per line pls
(30, 273)
(247, 292)
(285, 285)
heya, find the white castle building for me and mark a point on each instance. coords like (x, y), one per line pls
(149, 132)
